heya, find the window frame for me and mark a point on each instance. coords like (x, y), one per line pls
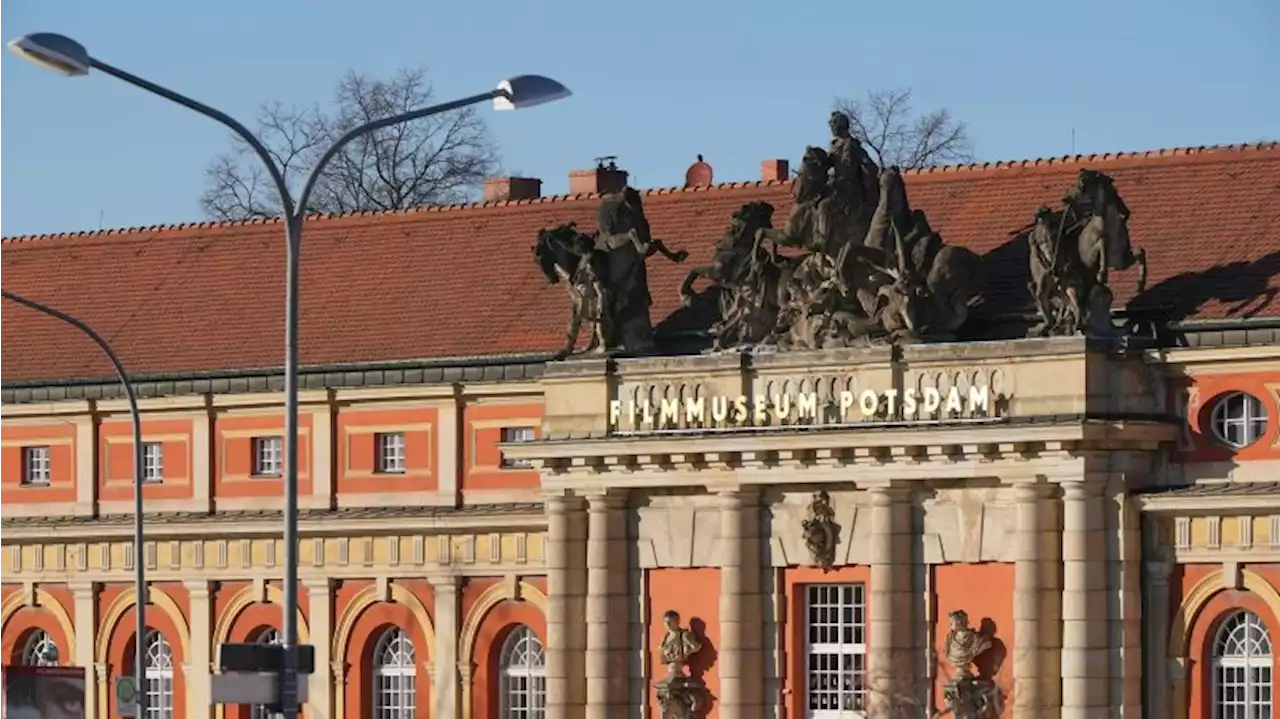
(159, 669)
(855, 650)
(259, 445)
(35, 640)
(385, 462)
(1246, 666)
(400, 677)
(527, 680)
(148, 475)
(505, 436)
(1253, 415)
(30, 466)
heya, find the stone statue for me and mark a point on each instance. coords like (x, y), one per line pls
(854, 264)
(680, 696)
(605, 274)
(966, 695)
(1071, 252)
(821, 533)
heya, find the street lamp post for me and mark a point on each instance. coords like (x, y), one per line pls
(139, 566)
(68, 57)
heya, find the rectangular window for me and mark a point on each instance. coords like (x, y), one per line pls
(835, 650)
(35, 466)
(390, 447)
(152, 462)
(268, 456)
(516, 434)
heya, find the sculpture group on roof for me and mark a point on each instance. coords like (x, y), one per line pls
(853, 264)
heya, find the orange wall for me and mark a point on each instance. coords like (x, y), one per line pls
(695, 594)
(484, 425)
(61, 439)
(115, 459)
(233, 457)
(365, 633)
(357, 454)
(985, 592)
(492, 633)
(1209, 387)
(27, 620)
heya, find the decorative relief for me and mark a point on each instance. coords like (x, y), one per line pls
(821, 533)
(679, 531)
(788, 536)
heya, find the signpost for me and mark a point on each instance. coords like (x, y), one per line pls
(127, 696)
(253, 673)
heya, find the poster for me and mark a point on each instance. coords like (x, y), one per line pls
(43, 692)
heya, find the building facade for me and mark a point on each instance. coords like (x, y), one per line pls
(496, 532)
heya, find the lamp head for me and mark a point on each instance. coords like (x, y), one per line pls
(526, 91)
(54, 52)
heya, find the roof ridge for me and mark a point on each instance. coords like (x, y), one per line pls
(656, 191)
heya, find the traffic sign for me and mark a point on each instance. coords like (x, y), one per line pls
(264, 658)
(126, 696)
(251, 688)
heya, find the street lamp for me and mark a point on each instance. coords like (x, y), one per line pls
(68, 57)
(139, 566)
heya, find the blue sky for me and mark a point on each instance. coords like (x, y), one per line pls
(656, 82)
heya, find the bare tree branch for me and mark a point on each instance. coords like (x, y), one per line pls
(885, 124)
(435, 160)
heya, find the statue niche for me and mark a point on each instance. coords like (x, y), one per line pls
(680, 696)
(1071, 252)
(853, 264)
(967, 696)
(605, 274)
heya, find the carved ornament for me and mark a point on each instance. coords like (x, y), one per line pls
(821, 533)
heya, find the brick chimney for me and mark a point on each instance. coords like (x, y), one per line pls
(606, 177)
(775, 171)
(501, 189)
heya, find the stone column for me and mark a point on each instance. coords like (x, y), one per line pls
(1157, 625)
(1127, 693)
(1085, 660)
(890, 671)
(606, 657)
(740, 658)
(320, 618)
(444, 678)
(85, 595)
(566, 585)
(1027, 673)
(199, 665)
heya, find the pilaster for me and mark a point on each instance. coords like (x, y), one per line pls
(740, 658)
(566, 590)
(322, 494)
(448, 440)
(1157, 625)
(202, 462)
(1085, 657)
(1028, 624)
(85, 596)
(606, 657)
(320, 624)
(1127, 625)
(199, 664)
(444, 679)
(86, 465)
(890, 666)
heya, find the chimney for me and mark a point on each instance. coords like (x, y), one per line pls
(605, 178)
(775, 171)
(501, 189)
(699, 174)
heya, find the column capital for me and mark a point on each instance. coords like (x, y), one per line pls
(198, 588)
(80, 586)
(1029, 490)
(885, 494)
(445, 582)
(101, 672)
(605, 501)
(560, 504)
(737, 497)
(312, 584)
(1077, 489)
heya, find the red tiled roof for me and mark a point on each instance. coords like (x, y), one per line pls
(461, 281)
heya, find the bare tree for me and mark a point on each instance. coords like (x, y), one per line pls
(435, 160)
(886, 125)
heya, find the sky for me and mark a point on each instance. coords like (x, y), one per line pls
(655, 83)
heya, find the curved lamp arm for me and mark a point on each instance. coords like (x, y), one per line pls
(368, 127)
(240, 130)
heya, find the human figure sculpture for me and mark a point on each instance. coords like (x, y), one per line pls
(966, 695)
(679, 695)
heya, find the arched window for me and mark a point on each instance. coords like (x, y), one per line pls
(1239, 419)
(40, 650)
(1242, 681)
(159, 676)
(268, 636)
(394, 676)
(524, 678)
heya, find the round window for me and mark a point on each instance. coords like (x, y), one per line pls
(1239, 419)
